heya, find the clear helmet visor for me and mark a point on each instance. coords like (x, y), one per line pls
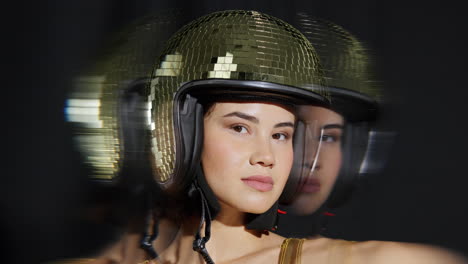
(315, 171)
(307, 143)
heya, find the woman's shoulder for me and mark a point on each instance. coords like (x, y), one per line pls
(342, 251)
(402, 252)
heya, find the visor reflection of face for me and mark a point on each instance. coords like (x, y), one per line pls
(316, 185)
(308, 183)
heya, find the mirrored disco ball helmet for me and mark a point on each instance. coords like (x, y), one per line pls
(228, 55)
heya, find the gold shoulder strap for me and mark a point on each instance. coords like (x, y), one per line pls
(291, 251)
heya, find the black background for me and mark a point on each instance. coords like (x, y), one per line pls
(421, 55)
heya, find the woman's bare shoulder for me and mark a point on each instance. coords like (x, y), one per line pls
(326, 250)
(399, 252)
(317, 249)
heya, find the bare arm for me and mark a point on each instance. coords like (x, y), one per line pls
(410, 253)
(334, 251)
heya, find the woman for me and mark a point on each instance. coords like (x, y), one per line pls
(245, 69)
(224, 104)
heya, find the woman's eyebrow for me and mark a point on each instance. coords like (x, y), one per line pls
(330, 126)
(284, 124)
(255, 120)
(243, 116)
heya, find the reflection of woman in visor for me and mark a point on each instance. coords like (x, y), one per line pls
(346, 122)
(345, 126)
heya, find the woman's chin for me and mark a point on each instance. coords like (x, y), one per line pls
(258, 211)
(257, 207)
(251, 203)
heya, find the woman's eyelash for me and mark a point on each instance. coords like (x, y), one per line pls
(239, 128)
(332, 138)
(286, 136)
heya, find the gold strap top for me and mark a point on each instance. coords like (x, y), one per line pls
(291, 251)
(339, 251)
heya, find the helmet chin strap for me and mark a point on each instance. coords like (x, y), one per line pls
(205, 218)
(146, 243)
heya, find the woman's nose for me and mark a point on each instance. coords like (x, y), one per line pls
(262, 155)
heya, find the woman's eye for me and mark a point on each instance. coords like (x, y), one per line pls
(329, 138)
(239, 129)
(280, 136)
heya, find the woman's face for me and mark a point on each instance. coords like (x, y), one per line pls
(319, 184)
(247, 154)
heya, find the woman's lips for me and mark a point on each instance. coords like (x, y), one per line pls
(310, 186)
(259, 183)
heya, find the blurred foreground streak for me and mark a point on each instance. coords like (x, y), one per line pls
(119, 169)
(93, 103)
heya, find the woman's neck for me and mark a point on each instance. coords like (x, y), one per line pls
(229, 216)
(229, 241)
(229, 238)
